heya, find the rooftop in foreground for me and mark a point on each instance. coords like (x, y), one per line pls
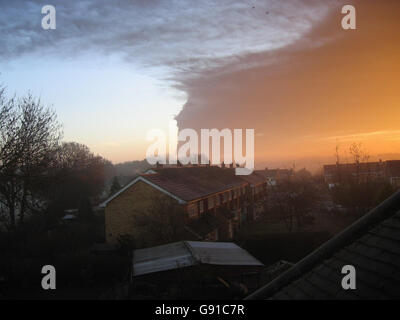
(371, 245)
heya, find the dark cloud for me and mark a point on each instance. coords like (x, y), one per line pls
(186, 35)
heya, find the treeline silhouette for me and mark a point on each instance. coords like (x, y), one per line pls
(41, 177)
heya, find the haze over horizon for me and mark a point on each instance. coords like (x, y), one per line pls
(112, 71)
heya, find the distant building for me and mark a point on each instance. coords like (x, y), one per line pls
(393, 172)
(275, 175)
(363, 171)
(216, 201)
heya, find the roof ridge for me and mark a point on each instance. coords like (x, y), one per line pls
(192, 251)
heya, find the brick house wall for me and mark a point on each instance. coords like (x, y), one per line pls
(119, 211)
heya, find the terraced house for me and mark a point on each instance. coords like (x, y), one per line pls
(216, 201)
(363, 171)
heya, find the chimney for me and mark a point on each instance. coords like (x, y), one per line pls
(159, 165)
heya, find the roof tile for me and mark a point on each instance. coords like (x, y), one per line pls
(374, 252)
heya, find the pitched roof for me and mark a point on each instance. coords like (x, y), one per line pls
(139, 178)
(186, 184)
(254, 178)
(371, 245)
(190, 183)
(188, 253)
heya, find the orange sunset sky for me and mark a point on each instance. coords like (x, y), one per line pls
(332, 86)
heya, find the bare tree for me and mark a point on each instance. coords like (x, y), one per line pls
(29, 136)
(359, 155)
(360, 190)
(337, 153)
(358, 152)
(293, 198)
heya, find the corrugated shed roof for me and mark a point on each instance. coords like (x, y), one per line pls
(371, 245)
(188, 253)
(162, 258)
(222, 253)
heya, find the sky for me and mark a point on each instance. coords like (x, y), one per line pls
(113, 70)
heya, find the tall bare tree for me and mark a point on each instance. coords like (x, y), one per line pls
(29, 137)
(358, 152)
(293, 198)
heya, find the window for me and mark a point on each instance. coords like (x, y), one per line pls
(210, 202)
(193, 210)
(201, 206)
(212, 236)
(218, 200)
